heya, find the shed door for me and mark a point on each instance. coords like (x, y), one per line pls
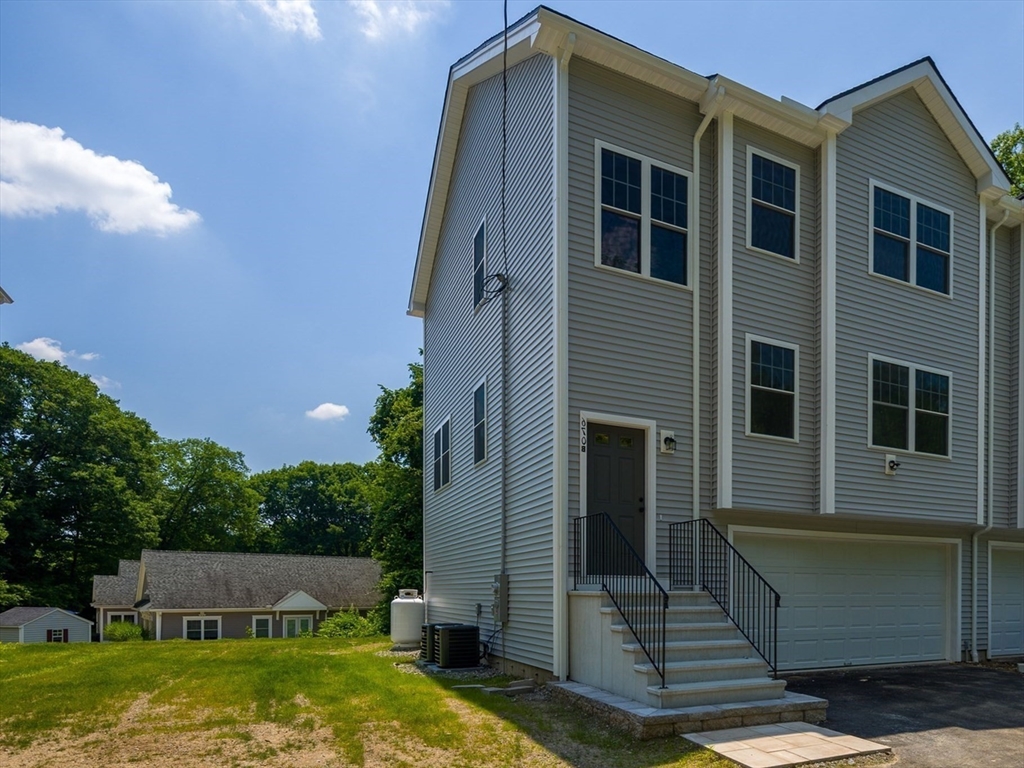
(848, 602)
(1006, 628)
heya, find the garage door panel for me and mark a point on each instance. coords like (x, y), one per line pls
(1006, 618)
(868, 602)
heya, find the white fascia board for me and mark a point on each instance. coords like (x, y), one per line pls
(298, 601)
(923, 77)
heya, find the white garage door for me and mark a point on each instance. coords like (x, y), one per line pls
(1006, 631)
(849, 601)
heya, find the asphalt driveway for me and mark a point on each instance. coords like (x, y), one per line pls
(942, 716)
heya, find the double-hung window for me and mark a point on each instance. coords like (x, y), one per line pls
(479, 266)
(910, 240)
(262, 626)
(909, 408)
(643, 216)
(443, 455)
(480, 423)
(199, 628)
(772, 388)
(773, 205)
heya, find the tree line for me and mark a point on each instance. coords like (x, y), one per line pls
(84, 483)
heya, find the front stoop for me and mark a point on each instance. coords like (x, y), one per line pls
(646, 722)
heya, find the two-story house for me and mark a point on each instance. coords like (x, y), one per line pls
(665, 297)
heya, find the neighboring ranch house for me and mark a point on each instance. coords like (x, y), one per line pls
(113, 597)
(800, 324)
(214, 595)
(43, 625)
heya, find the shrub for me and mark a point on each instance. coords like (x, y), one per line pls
(347, 624)
(122, 631)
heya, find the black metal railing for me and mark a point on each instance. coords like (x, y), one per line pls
(604, 557)
(700, 556)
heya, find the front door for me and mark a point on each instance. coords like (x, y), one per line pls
(615, 479)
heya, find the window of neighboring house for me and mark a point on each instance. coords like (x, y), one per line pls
(128, 618)
(911, 240)
(443, 455)
(772, 391)
(909, 408)
(294, 626)
(479, 266)
(57, 635)
(479, 424)
(261, 626)
(201, 628)
(643, 216)
(774, 193)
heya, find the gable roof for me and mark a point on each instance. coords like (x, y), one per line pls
(924, 77)
(22, 615)
(215, 580)
(119, 589)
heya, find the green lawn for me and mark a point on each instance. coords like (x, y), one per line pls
(284, 702)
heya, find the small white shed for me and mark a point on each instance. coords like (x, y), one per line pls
(27, 624)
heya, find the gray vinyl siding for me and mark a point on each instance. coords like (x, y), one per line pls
(462, 347)
(775, 298)
(1015, 309)
(9, 634)
(897, 142)
(630, 339)
(79, 630)
(1004, 372)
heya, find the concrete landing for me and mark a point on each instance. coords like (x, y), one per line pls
(645, 722)
(783, 744)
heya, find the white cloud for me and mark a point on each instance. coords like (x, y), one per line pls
(43, 171)
(48, 349)
(385, 19)
(328, 412)
(105, 383)
(292, 16)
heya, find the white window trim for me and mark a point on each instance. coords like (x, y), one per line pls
(487, 403)
(122, 614)
(645, 216)
(912, 255)
(796, 387)
(751, 151)
(65, 635)
(912, 408)
(483, 265)
(296, 617)
(186, 619)
(270, 625)
(447, 420)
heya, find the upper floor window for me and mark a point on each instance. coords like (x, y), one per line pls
(643, 217)
(909, 408)
(443, 455)
(479, 265)
(772, 391)
(774, 194)
(911, 240)
(479, 424)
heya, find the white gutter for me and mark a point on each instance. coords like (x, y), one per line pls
(717, 94)
(989, 475)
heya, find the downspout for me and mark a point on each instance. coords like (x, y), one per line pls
(695, 428)
(990, 443)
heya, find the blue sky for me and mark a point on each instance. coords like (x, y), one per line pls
(224, 232)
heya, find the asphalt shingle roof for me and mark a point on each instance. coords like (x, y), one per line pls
(16, 617)
(117, 590)
(242, 580)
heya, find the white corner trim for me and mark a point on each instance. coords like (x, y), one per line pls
(982, 353)
(751, 151)
(650, 428)
(560, 496)
(827, 482)
(725, 326)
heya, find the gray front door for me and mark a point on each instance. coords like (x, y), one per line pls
(615, 479)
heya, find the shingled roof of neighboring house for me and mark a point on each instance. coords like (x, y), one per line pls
(216, 580)
(19, 617)
(117, 590)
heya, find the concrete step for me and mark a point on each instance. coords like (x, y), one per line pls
(678, 695)
(698, 650)
(704, 670)
(695, 631)
(676, 598)
(682, 614)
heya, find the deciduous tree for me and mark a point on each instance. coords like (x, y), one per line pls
(1008, 147)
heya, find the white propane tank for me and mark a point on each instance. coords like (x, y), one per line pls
(406, 618)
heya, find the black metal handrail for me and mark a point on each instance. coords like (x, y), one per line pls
(700, 556)
(604, 557)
